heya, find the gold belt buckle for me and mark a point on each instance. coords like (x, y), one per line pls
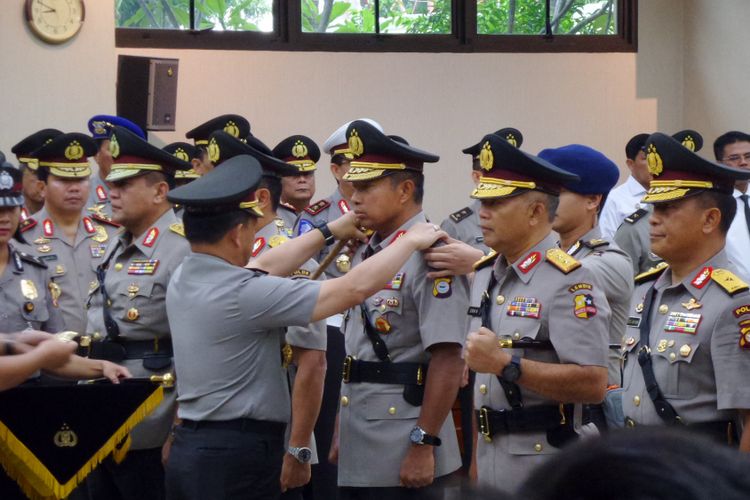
(484, 424)
(420, 375)
(346, 371)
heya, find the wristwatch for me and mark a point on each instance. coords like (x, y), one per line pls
(512, 370)
(303, 454)
(419, 436)
(327, 234)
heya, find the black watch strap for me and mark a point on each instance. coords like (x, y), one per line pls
(431, 440)
(327, 234)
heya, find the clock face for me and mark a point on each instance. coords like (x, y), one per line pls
(55, 21)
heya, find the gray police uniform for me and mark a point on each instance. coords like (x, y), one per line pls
(700, 347)
(99, 202)
(611, 266)
(136, 281)
(25, 296)
(289, 216)
(463, 225)
(312, 336)
(633, 238)
(409, 315)
(544, 296)
(73, 266)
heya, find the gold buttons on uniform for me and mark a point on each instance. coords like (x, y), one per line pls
(392, 410)
(685, 350)
(639, 308)
(672, 356)
(663, 309)
(118, 266)
(630, 341)
(500, 300)
(662, 345)
(538, 447)
(516, 335)
(344, 401)
(483, 389)
(637, 400)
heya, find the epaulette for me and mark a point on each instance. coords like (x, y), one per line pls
(26, 224)
(104, 219)
(461, 214)
(561, 260)
(729, 281)
(485, 261)
(651, 274)
(318, 207)
(632, 218)
(288, 207)
(595, 243)
(31, 259)
(178, 228)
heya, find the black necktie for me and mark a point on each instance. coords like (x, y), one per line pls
(744, 198)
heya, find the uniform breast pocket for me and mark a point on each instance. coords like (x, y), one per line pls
(673, 361)
(390, 406)
(630, 354)
(385, 310)
(135, 299)
(35, 311)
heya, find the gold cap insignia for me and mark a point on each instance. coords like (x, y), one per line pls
(114, 146)
(299, 150)
(511, 140)
(486, 158)
(689, 142)
(65, 437)
(655, 165)
(181, 154)
(232, 129)
(213, 151)
(74, 151)
(356, 147)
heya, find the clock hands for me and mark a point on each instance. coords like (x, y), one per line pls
(48, 7)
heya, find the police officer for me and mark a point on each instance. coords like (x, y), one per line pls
(633, 234)
(33, 188)
(233, 395)
(71, 243)
(297, 190)
(101, 127)
(403, 343)
(127, 313)
(688, 330)
(544, 310)
(235, 125)
(576, 223)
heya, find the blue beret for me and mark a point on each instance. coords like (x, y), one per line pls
(101, 126)
(598, 174)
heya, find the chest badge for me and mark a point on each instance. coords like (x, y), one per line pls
(524, 307)
(143, 266)
(28, 290)
(681, 322)
(692, 304)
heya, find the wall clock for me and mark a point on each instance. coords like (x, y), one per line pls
(55, 21)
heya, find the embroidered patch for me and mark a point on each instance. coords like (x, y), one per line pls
(681, 322)
(524, 307)
(258, 245)
(397, 236)
(580, 286)
(48, 228)
(701, 278)
(474, 311)
(143, 266)
(742, 310)
(101, 194)
(396, 282)
(745, 334)
(304, 226)
(301, 273)
(441, 288)
(343, 206)
(584, 307)
(634, 321)
(150, 238)
(529, 262)
(88, 225)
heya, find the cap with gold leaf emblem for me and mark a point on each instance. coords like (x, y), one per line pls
(510, 134)
(508, 171)
(132, 156)
(102, 126)
(67, 155)
(234, 125)
(299, 151)
(374, 154)
(222, 147)
(678, 172)
(690, 139)
(229, 188)
(24, 148)
(184, 152)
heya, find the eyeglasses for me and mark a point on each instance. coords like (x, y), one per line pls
(737, 158)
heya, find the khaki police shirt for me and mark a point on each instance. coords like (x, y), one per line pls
(700, 347)
(411, 314)
(227, 348)
(633, 238)
(25, 298)
(534, 299)
(463, 225)
(139, 269)
(613, 270)
(73, 265)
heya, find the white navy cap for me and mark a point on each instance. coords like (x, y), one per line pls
(338, 142)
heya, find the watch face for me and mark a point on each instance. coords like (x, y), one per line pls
(55, 21)
(304, 455)
(416, 435)
(512, 372)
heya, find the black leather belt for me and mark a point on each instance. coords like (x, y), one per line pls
(238, 424)
(134, 349)
(533, 418)
(378, 372)
(721, 431)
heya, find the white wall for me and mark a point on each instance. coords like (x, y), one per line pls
(439, 102)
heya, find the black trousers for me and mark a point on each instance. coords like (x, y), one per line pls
(207, 463)
(442, 488)
(139, 477)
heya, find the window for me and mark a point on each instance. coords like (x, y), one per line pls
(380, 25)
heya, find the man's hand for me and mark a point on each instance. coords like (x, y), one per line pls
(114, 372)
(293, 473)
(424, 235)
(346, 227)
(54, 353)
(455, 258)
(483, 354)
(418, 467)
(166, 448)
(31, 337)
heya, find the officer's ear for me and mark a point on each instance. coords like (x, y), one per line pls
(538, 210)
(593, 202)
(263, 195)
(711, 220)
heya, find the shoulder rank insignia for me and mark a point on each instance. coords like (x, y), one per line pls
(31, 259)
(596, 243)
(461, 214)
(178, 228)
(651, 274)
(729, 281)
(27, 224)
(103, 218)
(562, 260)
(632, 218)
(485, 261)
(317, 207)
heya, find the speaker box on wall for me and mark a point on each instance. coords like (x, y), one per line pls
(147, 91)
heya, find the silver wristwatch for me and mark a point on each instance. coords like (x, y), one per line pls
(303, 454)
